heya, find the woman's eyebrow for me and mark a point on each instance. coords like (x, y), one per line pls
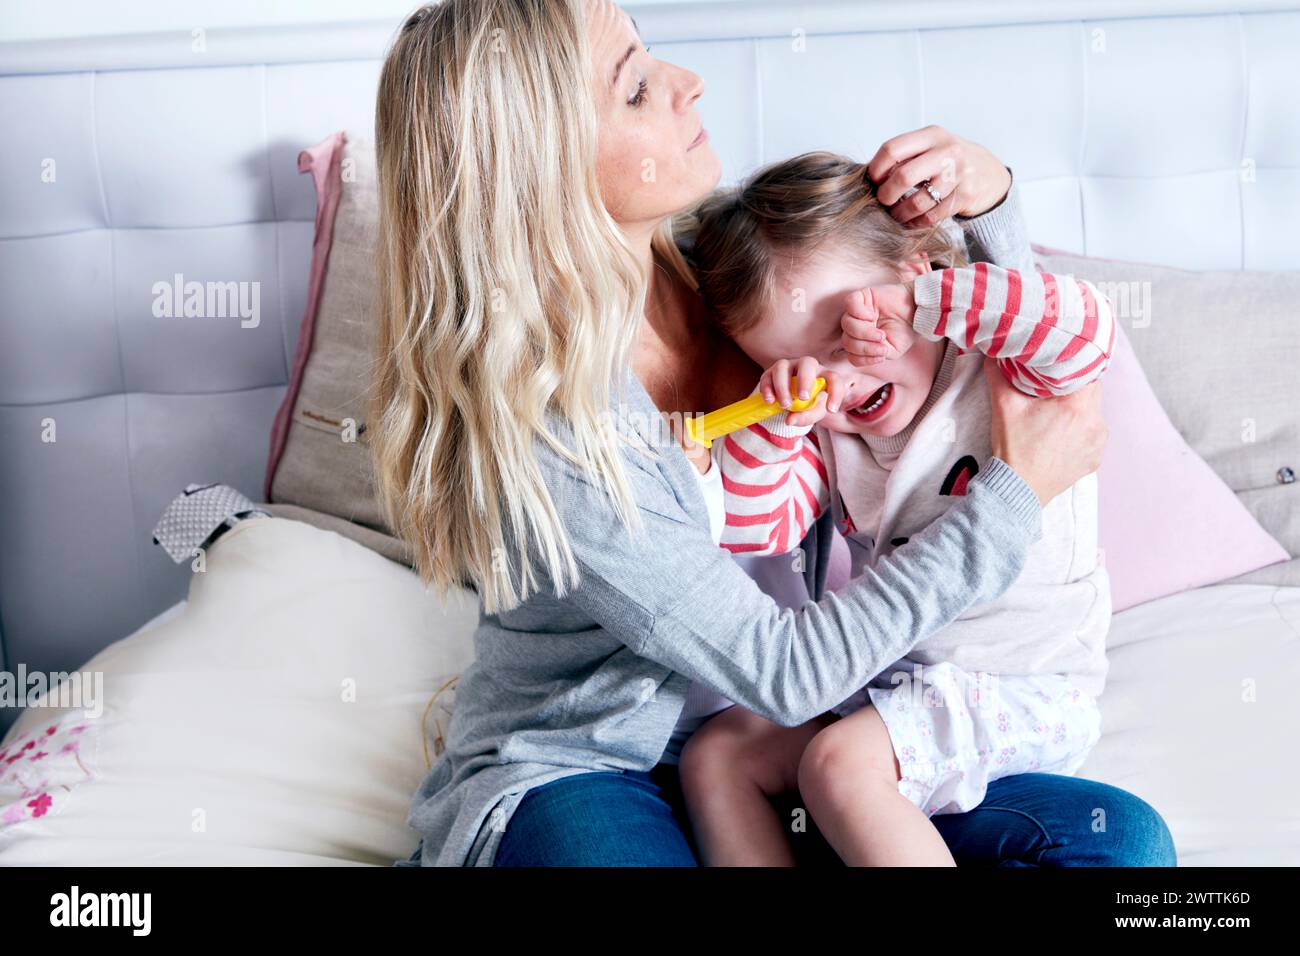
(631, 50)
(622, 61)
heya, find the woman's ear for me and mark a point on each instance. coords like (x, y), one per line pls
(918, 265)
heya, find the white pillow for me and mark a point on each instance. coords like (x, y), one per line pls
(275, 717)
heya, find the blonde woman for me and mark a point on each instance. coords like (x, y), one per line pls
(537, 320)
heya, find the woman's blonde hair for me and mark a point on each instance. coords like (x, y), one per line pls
(790, 209)
(506, 290)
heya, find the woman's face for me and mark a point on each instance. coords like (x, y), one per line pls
(653, 156)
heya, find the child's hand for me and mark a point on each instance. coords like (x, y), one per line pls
(877, 323)
(774, 386)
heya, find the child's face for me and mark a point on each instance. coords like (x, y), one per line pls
(805, 320)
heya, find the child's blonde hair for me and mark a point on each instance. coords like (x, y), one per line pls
(791, 208)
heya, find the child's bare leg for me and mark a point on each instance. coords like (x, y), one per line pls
(849, 779)
(730, 769)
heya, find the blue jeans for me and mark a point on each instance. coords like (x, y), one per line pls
(639, 819)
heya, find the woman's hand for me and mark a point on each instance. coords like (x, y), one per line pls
(1050, 442)
(877, 323)
(774, 386)
(968, 179)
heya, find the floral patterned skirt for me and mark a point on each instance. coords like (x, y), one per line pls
(955, 732)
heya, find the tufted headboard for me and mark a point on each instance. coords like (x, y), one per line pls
(1163, 132)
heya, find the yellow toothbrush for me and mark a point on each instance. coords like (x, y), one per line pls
(704, 428)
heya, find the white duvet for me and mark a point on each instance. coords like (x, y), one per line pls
(275, 718)
(1200, 718)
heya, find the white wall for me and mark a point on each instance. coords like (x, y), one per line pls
(42, 19)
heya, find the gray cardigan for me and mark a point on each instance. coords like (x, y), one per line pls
(596, 680)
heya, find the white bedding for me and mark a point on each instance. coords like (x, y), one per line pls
(1199, 718)
(228, 709)
(227, 736)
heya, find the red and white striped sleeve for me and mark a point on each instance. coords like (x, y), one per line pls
(775, 486)
(1050, 334)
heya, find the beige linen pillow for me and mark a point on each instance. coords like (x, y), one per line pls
(1221, 351)
(323, 475)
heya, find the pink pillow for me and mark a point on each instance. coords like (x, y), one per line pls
(1167, 521)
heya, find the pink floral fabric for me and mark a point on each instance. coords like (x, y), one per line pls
(40, 767)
